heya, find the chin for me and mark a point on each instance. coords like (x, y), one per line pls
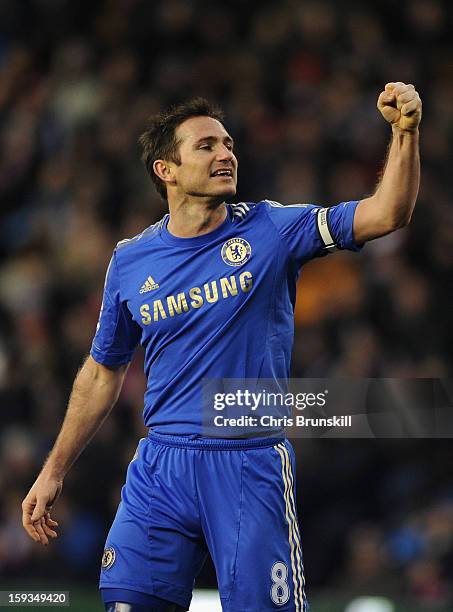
(222, 195)
(228, 192)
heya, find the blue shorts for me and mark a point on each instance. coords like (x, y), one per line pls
(235, 498)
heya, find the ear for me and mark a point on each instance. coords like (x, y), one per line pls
(163, 170)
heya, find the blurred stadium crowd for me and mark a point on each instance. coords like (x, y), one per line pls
(299, 83)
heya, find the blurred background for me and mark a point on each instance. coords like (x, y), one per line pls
(299, 83)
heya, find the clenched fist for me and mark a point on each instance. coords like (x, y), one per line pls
(401, 106)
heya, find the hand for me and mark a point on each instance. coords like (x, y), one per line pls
(36, 507)
(401, 106)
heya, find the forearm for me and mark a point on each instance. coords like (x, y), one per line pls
(395, 197)
(94, 393)
(397, 191)
(392, 204)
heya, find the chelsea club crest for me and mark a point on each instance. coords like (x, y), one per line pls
(236, 251)
(108, 558)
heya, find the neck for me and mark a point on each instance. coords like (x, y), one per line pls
(189, 219)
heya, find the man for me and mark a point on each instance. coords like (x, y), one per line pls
(209, 291)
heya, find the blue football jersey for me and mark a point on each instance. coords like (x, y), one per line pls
(220, 305)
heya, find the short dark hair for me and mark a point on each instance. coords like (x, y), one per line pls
(159, 141)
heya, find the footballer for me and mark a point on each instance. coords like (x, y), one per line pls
(209, 292)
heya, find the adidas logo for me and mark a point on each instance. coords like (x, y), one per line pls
(149, 285)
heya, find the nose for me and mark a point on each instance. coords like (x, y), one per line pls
(225, 154)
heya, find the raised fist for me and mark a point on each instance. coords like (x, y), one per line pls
(401, 106)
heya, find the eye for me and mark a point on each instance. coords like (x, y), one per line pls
(206, 147)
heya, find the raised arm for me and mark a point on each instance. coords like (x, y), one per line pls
(95, 391)
(391, 206)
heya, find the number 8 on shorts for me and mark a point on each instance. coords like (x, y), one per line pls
(280, 587)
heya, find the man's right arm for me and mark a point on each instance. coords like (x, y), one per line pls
(95, 391)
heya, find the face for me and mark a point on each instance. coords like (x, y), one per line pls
(208, 165)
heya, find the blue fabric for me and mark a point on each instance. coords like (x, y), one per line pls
(212, 443)
(296, 225)
(179, 501)
(201, 313)
(116, 333)
(141, 602)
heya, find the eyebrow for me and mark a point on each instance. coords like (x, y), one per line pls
(214, 139)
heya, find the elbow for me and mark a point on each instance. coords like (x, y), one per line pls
(408, 219)
(402, 221)
(94, 374)
(386, 216)
(399, 221)
(396, 225)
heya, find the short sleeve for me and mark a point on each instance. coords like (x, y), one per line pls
(313, 231)
(117, 334)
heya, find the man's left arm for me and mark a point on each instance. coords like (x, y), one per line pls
(391, 206)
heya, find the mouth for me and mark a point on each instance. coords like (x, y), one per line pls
(225, 173)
